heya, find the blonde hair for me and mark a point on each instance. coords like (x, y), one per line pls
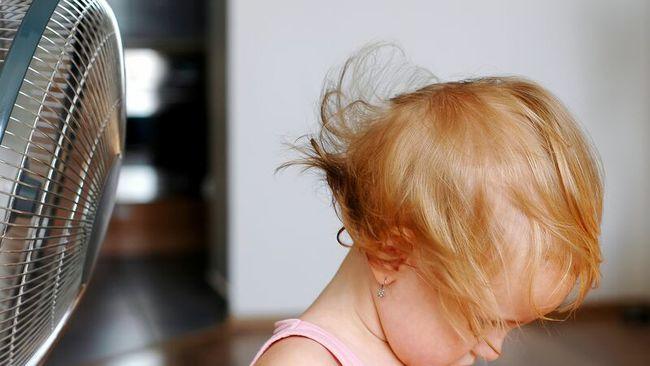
(418, 163)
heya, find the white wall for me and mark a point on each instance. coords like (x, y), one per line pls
(593, 54)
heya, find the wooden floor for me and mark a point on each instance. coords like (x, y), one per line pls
(132, 303)
(598, 336)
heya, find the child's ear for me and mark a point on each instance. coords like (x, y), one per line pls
(393, 256)
(381, 271)
(386, 269)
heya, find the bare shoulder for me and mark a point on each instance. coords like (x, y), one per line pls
(295, 351)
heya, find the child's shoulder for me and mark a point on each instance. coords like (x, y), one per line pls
(296, 350)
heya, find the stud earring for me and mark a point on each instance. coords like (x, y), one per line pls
(381, 292)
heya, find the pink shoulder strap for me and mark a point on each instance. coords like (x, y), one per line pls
(297, 327)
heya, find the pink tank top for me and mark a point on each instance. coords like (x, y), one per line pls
(297, 327)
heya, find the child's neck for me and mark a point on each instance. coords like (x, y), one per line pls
(346, 309)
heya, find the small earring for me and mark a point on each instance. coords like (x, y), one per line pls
(381, 292)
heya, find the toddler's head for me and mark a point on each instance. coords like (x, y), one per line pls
(477, 203)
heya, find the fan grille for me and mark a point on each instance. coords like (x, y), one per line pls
(12, 13)
(63, 138)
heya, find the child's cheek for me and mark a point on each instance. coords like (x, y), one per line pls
(415, 326)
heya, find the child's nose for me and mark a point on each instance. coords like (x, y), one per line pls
(490, 347)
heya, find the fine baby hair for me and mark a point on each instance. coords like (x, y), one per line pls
(438, 170)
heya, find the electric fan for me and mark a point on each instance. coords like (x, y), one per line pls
(62, 119)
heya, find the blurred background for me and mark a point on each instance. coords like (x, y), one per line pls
(207, 248)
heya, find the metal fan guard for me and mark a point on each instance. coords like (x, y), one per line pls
(62, 124)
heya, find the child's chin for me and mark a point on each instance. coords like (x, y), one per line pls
(467, 360)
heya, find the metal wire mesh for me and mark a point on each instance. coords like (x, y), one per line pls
(11, 15)
(64, 136)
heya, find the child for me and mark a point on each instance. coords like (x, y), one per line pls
(474, 207)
